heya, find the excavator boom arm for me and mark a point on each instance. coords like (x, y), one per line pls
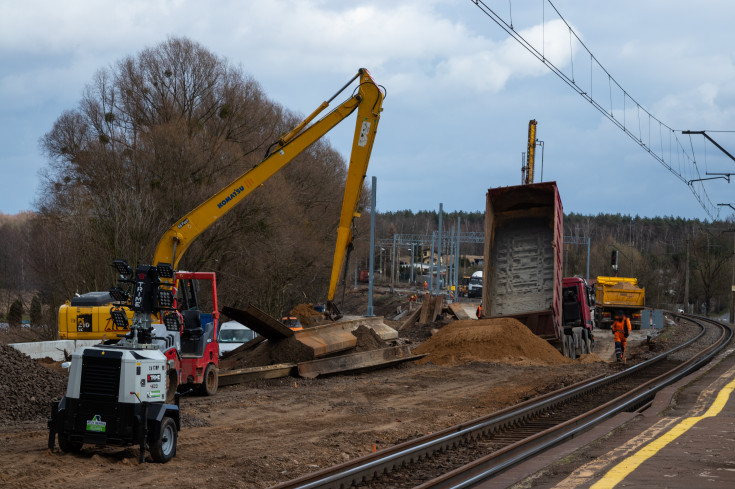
(531, 155)
(368, 100)
(368, 115)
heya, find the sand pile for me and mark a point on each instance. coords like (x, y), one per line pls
(307, 315)
(589, 358)
(488, 340)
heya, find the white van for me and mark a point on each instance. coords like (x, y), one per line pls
(233, 334)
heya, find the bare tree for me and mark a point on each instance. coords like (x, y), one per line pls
(152, 137)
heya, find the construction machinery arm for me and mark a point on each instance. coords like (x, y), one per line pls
(368, 99)
(368, 115)
(531, 155)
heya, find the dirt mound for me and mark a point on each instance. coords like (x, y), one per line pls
(269, 352)
(27, 388)
(502, 340)
(307, 315)
(367, 339)
(590, 358)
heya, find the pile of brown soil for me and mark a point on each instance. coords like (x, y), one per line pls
(589, 358)
(307, 315)
(27, 387)
(501, 340)
(269, 352)
(367, 340)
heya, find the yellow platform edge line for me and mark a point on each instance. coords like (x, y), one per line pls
(616, 475)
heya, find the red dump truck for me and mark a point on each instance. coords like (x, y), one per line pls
(523, 267)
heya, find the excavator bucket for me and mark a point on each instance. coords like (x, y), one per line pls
(332, 312)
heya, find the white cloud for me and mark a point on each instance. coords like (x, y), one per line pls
(458, 88)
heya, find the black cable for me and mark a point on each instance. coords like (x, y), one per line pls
(572, 84)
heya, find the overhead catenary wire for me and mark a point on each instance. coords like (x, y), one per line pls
(620, 120)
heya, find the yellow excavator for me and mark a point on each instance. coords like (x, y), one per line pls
(87, 319)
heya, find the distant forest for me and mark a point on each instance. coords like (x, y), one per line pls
(654, 250)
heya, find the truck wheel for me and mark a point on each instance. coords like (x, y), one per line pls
(210, 381)
(162, 445)
(571, 347)
(586, 348)
(68, 446)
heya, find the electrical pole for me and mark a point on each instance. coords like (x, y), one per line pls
(686, 281)
(439, 248)
(371, 273)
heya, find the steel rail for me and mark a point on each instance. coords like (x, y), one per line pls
(485, 468)
(370, 466)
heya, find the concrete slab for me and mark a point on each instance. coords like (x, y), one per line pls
(52, 349)
(355, 362)
(232, 377)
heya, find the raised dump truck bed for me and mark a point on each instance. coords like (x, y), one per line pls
(523, 257)
(619, 293)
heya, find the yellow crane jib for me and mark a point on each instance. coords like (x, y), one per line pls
(531, 153)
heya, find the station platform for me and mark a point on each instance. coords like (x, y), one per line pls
(685, 439)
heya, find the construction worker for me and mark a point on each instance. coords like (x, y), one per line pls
(478, 313)
(621, 329)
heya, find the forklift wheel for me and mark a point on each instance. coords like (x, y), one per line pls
(210, 381)
(162, 445)
(68, 446)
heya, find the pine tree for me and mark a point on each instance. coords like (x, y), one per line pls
(15, 313)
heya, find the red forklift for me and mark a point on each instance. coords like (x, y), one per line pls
(173, 305)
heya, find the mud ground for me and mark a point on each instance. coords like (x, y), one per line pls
(257, 434)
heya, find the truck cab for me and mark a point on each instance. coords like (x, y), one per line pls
(578, 301)
(474, 288)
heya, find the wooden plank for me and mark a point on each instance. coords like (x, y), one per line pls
(411, 319)
(458, 311)
(326, 340)
(438, 306)
(426, 308)
(232, 377)
(260, 322)
(353, 362)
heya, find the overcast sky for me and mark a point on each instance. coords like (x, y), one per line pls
(460, 91)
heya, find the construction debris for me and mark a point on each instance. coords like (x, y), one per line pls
(231, 377)
(458, 311)
(411, 319)
(29, 388)
(260, 322)
(277, 347)
(357, 362)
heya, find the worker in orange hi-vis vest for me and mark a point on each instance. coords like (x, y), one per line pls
(621, 329)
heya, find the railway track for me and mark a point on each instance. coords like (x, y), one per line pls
(472, 453)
